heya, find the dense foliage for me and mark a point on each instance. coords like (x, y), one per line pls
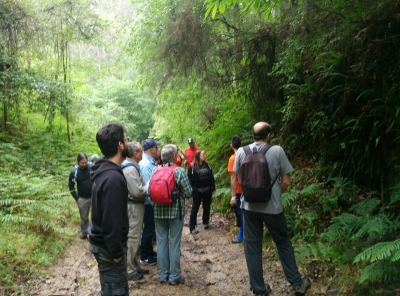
(325, 74)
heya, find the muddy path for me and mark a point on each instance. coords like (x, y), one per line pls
(211, 264)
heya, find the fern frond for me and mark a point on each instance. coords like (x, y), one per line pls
(365, 207)
(312, 189)
(374, 227)
(396, 256)
(15, 218)
(10, 202)
(379, 251)
(395, 194)
(289, 197)
(380, 271)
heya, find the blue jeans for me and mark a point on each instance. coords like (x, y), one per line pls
(146, 245)
(169, 234)
(253, 236)
(113, 276)
(197, 199)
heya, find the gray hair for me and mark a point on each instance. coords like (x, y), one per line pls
(132, 148)
(168, 152)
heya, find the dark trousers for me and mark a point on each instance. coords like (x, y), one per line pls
(197, 199)
(253, 236)
(146, 243)
(238, 211)
(113, 276)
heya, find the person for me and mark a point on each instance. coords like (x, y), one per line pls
(93, 158)
(203, 184)
(137, 190)
(189, 152)
(147, 165)
(271, 214)
(236, 189)
(108, 233)
(168, 224)
(181, 156)
(80, 176)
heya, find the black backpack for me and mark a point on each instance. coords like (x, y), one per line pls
(256, 182)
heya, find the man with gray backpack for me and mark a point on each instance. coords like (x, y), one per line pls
(260, 166)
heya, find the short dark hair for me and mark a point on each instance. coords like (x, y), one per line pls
(263, 133)
(108, 138)
(81, 156)
(236, 142)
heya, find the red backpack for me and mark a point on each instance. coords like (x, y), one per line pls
(163, 189)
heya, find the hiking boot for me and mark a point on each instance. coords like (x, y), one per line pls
(267, 291)
(163, 281)
(236, 241)
(301, 290)
(194, 231)
(206, 226)
(143, 271)
(180, 280)
(83, 235)
(135, 277)
(149, 261)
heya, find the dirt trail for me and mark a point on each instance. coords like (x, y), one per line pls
(211, 264)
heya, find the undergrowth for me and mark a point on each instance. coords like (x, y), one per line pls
(38, 216)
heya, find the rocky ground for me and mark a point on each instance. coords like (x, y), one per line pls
(211, 264)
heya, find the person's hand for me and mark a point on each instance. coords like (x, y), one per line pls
(116, 260)
(233, 200)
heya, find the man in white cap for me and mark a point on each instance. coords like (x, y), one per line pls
(190, 151)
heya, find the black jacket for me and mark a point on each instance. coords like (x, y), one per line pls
(201, 178)
(83, 183)
(110, 224)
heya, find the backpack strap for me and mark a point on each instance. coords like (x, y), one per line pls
(247, 150)
(129, 164)
(174, 166)
(264, 150)
(75, 173)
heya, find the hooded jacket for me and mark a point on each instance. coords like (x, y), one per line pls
(110, 224)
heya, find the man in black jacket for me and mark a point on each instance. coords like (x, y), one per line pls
(80, 176)
(108, 232)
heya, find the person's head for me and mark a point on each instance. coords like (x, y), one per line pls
(135, 151)
(111, 139)
(191, 143)
(169, 153)
(82, 160)
(236, 142)
(262, 131)
(150, 147)
(200, 156)
(93, 158)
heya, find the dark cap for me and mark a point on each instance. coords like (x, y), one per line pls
(150, 143)
(190, 140)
